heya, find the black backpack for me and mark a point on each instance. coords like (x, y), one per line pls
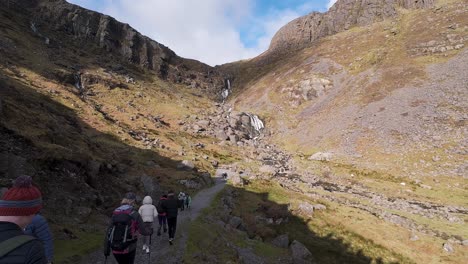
(120, 234)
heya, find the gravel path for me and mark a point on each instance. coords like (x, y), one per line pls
(161, 251)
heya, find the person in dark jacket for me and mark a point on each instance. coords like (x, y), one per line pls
(162, 219)
(127, 206)
(171, 208)
(18, 206)
(40, 229)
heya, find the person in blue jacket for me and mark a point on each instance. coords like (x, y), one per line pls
(40, 229)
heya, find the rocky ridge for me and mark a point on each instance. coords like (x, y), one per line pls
(52, 20)
(343, 15)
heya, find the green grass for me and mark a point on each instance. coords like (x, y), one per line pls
(85, 243)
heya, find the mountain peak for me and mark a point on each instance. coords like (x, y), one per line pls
(343, 15)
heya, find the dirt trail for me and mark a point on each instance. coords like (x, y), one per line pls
(161, 251)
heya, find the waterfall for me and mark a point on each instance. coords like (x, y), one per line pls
(227, 90)
(256, 123)
(33, 27)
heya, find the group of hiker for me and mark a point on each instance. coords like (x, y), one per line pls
(127, 222)
(25, 236)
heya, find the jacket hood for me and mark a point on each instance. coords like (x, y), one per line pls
(147, 200)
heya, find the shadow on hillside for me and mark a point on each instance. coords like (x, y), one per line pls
(82, 172)
(265, 220)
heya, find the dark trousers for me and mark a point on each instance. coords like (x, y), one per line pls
(172, 224)
(125, 258)
(162, 222)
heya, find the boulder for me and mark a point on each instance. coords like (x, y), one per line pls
(306, 209)
(465, 242)
(236, 179)
(319, 207)
(186, 165)
(300, 254)
(236, 222)
(321, 156)
(247, 256)
(281, 241)
(221, 135)
(233, 138)
(191, 184)
(267, 169)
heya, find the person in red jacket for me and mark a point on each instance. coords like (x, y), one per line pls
(18, 206)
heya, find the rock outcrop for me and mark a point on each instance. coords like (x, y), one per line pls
(342, 16)
(59, 20)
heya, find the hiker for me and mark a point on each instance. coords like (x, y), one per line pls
(122, 233)
(162, 219)
(148, 212)
(181, 200)
(18, 206)
(40, 229)
(188, 201)
(170, 207)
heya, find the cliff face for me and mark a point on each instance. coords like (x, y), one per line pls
(88, 28)
(343, 15)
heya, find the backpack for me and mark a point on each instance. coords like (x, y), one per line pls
(13, 243)
(121, 233)
(159, 207)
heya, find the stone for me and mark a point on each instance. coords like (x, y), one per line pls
(235, 221)
(186, 165)
(465, 242)
(233, 138)
(281, 241)
(321, 156)
(306, 209)
(319, 207)
(82, 213)
(247, 256)
(267, 169)
(236, 179)
(300, 254)
(448, 247)
(221, 135)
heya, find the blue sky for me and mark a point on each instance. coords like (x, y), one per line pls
(212, 31)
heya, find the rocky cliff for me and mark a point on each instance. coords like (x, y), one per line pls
(57, 19)
(342, 16)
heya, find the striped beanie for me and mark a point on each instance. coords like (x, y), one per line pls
(22, 199)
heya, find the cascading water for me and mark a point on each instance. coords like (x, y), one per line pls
(255, 122)
(226, 91)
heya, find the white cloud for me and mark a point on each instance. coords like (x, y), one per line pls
(331, 3)
(206, 30)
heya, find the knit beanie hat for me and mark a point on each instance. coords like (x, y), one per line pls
(22, 199)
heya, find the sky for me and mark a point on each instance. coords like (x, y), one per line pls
(211, 31)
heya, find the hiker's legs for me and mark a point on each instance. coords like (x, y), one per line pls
(165, 223)
(125, 258)
(172, 223)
